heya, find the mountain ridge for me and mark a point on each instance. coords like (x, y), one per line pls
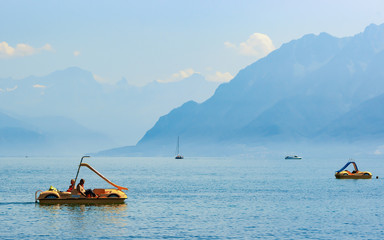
(331, 76)
(118, 113)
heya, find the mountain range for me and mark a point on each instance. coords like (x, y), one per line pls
(69, 112)
(318, 89)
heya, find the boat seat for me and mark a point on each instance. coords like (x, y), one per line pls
(75, 192)
(99, 191)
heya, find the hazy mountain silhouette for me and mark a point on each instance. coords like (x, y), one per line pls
(307, 88)
(14, 132)
(20, 135)
(73, 112)
(363, 123)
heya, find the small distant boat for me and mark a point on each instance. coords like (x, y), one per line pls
(104, 196)
(178, 155)
(293, 157)
(355, 174)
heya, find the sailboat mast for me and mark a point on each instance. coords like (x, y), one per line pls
(177, 146)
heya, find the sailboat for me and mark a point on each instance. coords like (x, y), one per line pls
(178, 155)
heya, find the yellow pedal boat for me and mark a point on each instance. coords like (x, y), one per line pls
(104, 196)
(355, 174)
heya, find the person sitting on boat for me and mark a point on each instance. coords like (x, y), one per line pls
(82, 191)
(70, 188)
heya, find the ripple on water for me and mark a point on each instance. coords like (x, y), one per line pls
(201, 199)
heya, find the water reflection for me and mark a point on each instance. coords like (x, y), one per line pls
(16, 203)
(77, 208)
(81, 218)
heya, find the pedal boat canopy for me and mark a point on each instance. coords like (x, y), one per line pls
(355, 174)
(104, 196)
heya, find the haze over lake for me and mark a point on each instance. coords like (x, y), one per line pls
(232, 86)
(317, 91)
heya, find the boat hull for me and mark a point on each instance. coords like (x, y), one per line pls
(348, 175)
(293, 158)
(83, 201)
(104, 196)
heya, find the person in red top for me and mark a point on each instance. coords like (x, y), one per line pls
(70, 188)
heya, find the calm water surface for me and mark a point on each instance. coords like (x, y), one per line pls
(196, 198)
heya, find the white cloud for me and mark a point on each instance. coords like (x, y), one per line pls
(179, 75)
(229, 45)
(209, 75)
(379, 150)
(6, 50)
(258, 45)
(219, 77)
(100, 79)
(39, 86)
(21, 50)
(76, 53)
(12, 89)
(47, 47)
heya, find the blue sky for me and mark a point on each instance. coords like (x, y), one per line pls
(146, 41)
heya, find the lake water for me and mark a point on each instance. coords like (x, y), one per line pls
(196, 198)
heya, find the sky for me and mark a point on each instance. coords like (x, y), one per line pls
(145, 41)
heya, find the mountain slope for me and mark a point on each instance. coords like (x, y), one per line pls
(122, 112)
(363, 123)
(291, 94)
(18, 137)
(48, 135)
